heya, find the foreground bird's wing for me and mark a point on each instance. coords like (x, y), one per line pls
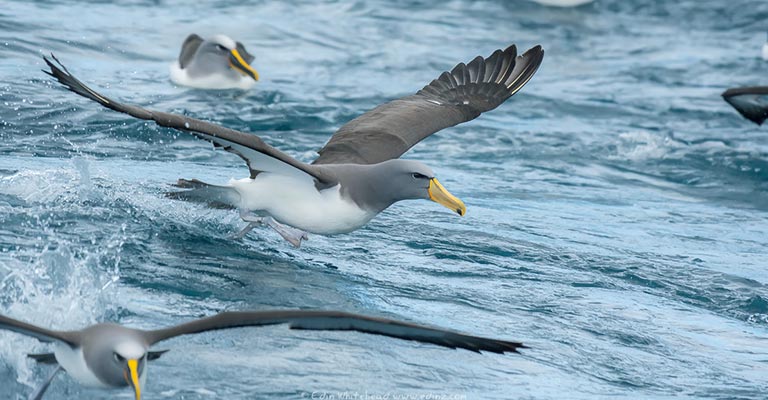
(389, 130)
(259, 156)
(751, 102)
(41, 334)
(336, 321)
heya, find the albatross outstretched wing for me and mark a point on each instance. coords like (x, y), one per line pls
(336, 321)
(750, 102)
(389, 130)
(41, 334)
(259, 156)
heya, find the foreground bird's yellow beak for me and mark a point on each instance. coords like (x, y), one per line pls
(133, 365)
(438, 194)
(238, 64)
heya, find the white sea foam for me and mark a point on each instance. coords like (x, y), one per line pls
(643, 145)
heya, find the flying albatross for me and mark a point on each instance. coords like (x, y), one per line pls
(112, 356)
(358, 173)
(751, 102)
(216, 63)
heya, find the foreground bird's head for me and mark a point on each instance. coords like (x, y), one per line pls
(220, 54)
(409, 180)
(117, 356)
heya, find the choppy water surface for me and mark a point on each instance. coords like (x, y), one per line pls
(617, 206)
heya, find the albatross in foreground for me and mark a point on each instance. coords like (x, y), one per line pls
(358, 173)
(216, 63)
(113, 356)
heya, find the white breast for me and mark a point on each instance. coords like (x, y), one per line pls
(73, 362)
(296, 202)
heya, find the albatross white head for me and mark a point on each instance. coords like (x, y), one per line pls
(218, 62)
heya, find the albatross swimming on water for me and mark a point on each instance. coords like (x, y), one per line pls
(216, 63)
(113, 356)
(358, 173)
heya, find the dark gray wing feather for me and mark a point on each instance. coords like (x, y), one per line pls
(751, 102)
(336, 321)
(259, 156)
(389, 130)
(188, 49)
(41, 334)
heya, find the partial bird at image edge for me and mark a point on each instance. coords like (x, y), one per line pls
(750, 101)
(111, 355)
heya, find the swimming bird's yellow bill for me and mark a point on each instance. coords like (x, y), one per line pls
(133, 365)
(238, 64)
(438, 194)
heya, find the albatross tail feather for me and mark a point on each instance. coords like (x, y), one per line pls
(485, 83)
(214, 196)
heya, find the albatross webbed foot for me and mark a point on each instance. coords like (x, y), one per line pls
(292, 235)
(249, 216)
(253, 220)
(248, 228)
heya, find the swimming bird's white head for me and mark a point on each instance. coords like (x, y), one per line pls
(765, 50)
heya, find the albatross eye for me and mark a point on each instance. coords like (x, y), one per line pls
(118, 357)
(417, 175)
(222, 48)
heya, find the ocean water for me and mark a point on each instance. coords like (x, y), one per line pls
(617, 207)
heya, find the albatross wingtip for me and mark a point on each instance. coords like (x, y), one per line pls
(62, 74)
(56, 70)
(535, 52)
(751, 102)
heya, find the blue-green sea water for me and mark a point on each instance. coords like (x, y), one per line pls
(617, 208)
